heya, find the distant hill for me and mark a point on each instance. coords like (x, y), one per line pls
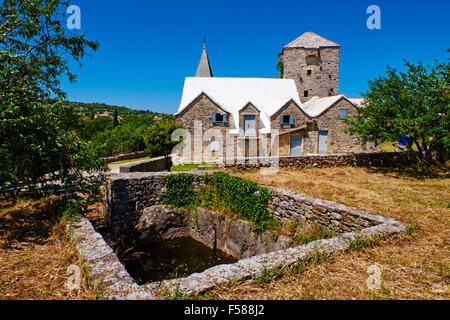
(88, 108)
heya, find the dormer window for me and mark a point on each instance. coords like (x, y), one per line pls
(286, 119)
(219, 118)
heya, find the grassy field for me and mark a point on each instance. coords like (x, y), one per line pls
(192, 166)
(414, 266)
(35, 250)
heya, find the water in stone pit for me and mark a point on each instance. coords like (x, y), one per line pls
(175, 258)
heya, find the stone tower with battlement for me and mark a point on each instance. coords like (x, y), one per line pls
(313, 63)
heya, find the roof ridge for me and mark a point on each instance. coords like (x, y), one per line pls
(310, 39)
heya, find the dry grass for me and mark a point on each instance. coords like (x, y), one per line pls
(414, 266)
(35, 252)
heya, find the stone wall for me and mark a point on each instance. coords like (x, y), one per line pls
(233, 236)
(127, 195)
(148, 165)
(125, 156)
(289, 205)
(363, 159)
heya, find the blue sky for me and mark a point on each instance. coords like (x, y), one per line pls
(148, 47)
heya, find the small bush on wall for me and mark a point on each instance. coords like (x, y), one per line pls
(233, 196)
(179, 190)
(245, 198)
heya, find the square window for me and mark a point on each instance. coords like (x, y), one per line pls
(286, 119)
(342, 114)
(308, 72)
(219, 118)
(305, 93)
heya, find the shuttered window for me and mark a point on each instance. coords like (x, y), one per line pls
(219, 118)
(286, 119)
(342, 114)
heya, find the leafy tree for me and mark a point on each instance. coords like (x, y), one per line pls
(158, 137)
(37, 129)
(115, 118)
(126, 137)
(413, 104)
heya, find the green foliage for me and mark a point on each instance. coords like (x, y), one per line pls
(363, 243)
(231, 195)
(280, 67)
(88, 109)
(318, 257)
(299, 267)
(38, 143)
(127, 136)
(306, 236)
(158, 137)
(413, 103)
(115, 118)
(267, 275)
(412, 226)
(179, 190)
(235, 195)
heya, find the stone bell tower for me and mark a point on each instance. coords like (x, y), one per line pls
(313, 63)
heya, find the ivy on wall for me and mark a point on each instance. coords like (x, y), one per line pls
(179, 190)
(233, 196)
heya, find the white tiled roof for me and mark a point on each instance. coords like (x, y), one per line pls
(315, 106)
(356, 101)
(232, 94)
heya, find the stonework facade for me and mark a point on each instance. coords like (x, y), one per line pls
(304, 126)
(314, 70)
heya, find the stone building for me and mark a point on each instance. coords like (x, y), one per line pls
(313, 63)
(301, 113)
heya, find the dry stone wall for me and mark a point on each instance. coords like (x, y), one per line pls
(129, 194)
(148, 165)
(363, 159)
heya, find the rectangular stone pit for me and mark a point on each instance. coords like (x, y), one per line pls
(127, 195)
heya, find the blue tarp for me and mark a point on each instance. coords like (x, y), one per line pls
(404, 140)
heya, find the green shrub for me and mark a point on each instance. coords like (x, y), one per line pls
(235, 195)
(231, 195)
(179, 190)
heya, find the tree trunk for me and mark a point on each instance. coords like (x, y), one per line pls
(167, 161)
(419, 149)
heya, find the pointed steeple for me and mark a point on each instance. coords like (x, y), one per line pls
(204, 69)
